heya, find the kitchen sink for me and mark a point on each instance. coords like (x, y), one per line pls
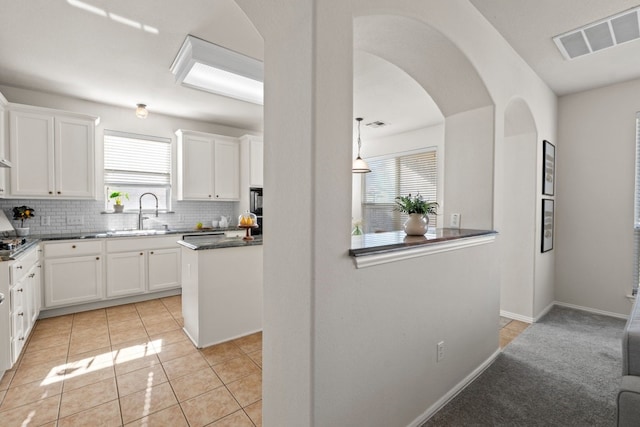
(133, 233)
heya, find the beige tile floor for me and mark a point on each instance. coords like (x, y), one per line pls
(510, 329)
(131, 365)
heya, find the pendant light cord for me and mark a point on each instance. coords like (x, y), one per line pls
(359, 119)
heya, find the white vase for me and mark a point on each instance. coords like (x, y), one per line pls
(416, 225)
(22, 231)
(118, 208)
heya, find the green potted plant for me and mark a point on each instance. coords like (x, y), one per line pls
(417, 208)
(118, 196)
(23, 213)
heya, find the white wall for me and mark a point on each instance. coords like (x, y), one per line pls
(419, 139)
(517, 243)
(595, 188)
(469, 140)
(355, 347)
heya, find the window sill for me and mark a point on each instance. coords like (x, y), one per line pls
(381, 248)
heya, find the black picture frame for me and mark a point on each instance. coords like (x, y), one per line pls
(547, 229)
(548, 168)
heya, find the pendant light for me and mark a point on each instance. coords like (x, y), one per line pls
(359, 165)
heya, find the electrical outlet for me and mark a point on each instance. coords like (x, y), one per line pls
(45, 220)
(440, 354)
(455, 220)
(75, 220)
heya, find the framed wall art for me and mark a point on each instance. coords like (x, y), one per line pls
(549, 168)
(547, 225)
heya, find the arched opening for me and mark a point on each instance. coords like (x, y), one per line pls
(517, 233)
(455, 112)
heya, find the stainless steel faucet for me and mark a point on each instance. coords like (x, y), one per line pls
(140, 217)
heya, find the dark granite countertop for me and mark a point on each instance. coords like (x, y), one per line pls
(376, 243)
(126, 233)
(199, 243)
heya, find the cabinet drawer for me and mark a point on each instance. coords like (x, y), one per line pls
(72, 248)
(21, 266)
(142, 243)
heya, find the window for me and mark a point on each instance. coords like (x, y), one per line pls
(136, 164)
(636, 222)
(409, 173)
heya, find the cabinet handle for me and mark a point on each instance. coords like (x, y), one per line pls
(20, 290)
(73, 246)
(50, 192)
(141, 253)
(19, 267)
(209, 195)
(59, 192)
(21, 339)
(32, 275)
(151, 252)
(217, 196)
(98, 257)
(21, 314)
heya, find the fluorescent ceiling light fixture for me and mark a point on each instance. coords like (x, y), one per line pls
(213, 68)
(602, 34)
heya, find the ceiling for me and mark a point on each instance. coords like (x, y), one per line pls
(119, 52)
(529, 26)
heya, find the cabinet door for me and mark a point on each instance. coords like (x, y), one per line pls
(164, 269)
(125, 273)
(197, 173)
(18, 321)
(31, 141)
(74, 158)
(35, 289)
(3, 144)
(72, 280)
(256, 171)
(227, 170)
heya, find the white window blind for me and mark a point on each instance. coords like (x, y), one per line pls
(636, 222)
(136, 164)
(406, 174)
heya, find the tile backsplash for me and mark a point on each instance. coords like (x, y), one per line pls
(79, 216)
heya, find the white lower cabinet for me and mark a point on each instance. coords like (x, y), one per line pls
(85, 271)
(164, 269)
(125, 274)
(24, 295)
(142, 265)
(72, 280)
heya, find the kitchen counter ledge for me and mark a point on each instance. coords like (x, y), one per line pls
(380, 248)
(206, 242)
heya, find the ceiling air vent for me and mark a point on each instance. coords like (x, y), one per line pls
(376, 124)
(608, 32)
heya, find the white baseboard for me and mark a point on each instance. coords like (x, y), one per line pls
(592, 310)
(515, 316)
(545, 311)
(454, 391)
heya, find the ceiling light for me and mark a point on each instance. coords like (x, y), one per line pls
(141, 111)
(359, 165)
(602, 34)
(212, 68)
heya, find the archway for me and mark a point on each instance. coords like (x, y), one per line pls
(517, 233)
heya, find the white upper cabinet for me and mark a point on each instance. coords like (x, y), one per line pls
(208, 166)
(252, 159)
(4, 140)
(53, 153)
